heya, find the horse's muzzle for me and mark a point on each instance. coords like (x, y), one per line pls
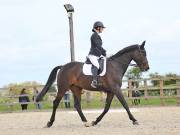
(144, 69)
(147, 69)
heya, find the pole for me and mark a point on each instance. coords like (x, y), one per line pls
(71, 34)
(69, 8)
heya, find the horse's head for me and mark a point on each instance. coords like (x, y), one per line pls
(140, 58)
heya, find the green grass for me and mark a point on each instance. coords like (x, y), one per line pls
(94, 104)
(156, 102)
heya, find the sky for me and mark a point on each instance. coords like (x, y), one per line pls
(34, 34)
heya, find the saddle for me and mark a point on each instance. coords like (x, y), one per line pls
(88, 66)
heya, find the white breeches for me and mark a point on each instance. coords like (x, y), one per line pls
(94, 60)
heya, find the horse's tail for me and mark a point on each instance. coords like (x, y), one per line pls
(51, 79)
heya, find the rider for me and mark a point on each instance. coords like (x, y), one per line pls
(96, 50)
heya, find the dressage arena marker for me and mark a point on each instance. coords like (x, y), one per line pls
(110, 111)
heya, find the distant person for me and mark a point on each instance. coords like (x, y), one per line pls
(38, 104)
(23, 99)
(67, 99)
(135, 93)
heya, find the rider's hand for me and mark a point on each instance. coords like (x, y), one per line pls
(104, 53)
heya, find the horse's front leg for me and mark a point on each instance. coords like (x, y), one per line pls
(120, 96)
(77, 103)
(106, 108)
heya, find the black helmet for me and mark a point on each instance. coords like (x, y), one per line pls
(98, 24)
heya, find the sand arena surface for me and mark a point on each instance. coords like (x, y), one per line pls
(153, 121)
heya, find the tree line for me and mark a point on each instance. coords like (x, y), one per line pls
(135, 74)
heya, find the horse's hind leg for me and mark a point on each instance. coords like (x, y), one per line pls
(56, 102)
(106, 108)
(120, 96)
(77, 103)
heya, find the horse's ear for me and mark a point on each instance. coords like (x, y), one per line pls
(142, 45)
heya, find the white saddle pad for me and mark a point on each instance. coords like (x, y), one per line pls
(87, 68)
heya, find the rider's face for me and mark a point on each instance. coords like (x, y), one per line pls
(100, 29)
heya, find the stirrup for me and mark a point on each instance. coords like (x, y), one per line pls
(94, 84)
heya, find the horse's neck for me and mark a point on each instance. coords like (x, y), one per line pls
(123, 62)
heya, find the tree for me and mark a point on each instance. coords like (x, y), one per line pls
(155, 76)
(133, 73)
(15, 88)
(171, 80)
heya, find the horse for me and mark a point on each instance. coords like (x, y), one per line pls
(71, 77)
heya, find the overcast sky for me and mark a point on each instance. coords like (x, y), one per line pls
(34, 34)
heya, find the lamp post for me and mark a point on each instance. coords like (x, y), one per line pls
(69, 8)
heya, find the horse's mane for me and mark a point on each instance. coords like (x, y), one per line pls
(124, 50)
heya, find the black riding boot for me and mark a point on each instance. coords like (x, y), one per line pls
(94, 83)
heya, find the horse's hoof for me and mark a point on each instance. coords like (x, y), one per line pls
(135, 123)
(87, 124)
(93, 123)
(49, 124)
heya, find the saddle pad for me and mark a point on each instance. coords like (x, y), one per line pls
(87, 68)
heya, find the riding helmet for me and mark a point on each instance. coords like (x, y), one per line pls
(98, 24)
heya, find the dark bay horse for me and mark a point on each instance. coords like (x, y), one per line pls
(70, 77)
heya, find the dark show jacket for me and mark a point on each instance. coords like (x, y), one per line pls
(23, 98)
(96, 45)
